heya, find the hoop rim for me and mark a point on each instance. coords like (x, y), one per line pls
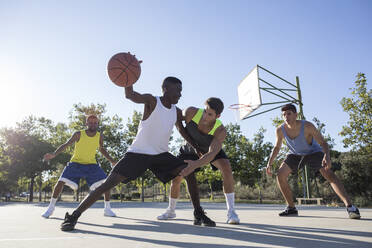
(237, 106)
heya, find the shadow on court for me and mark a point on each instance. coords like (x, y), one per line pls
(257, 233)
(136, 226)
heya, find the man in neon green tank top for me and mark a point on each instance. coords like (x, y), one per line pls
(204, 135)
(83, 164)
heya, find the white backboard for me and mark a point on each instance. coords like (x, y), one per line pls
(249, 93)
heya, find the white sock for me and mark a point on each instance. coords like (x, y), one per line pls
(52, 202)
(230, 198)
(107, 205)
(172, 204)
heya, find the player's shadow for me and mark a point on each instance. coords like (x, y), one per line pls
(327, 217)
(263, 234)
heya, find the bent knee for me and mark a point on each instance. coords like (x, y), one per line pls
(329, 175)
(284, 171)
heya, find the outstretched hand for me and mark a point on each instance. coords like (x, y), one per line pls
(326, 162)
(269, 170)
(48, 156)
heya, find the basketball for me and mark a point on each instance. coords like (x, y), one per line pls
(124, 69)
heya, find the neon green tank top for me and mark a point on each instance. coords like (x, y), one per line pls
(202, 140)
(86, 149)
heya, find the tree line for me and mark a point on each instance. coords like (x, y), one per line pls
(23, 146)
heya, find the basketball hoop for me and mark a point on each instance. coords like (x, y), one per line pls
(240, 106)
(240, 110)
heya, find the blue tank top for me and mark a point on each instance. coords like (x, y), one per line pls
(299, 145)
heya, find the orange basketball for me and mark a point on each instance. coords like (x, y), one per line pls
(124, 69)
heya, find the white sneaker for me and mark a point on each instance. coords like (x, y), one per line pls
(48, 212)
(169, 214)
(232, 218)
(109, 213)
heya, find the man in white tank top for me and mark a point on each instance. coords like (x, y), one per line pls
(303, 138)
(149, 150)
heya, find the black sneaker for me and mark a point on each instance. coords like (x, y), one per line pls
(69, 222)
(201, 219)
(353, 212)
(289, 212)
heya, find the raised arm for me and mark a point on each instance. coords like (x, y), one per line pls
(147, 99)
(104, 152)
(275, 151)
(136, 97)
(74, 138)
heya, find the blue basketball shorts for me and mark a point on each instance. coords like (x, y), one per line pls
(92, 173)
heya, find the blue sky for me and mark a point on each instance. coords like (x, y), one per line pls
(54, 53)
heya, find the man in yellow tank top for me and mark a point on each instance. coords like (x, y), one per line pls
(83, 164)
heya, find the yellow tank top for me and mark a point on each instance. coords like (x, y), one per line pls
(86, 149)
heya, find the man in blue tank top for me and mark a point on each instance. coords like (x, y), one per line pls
(306, 146)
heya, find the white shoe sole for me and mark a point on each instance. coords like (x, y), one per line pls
(233, 222)
(161, 217)
(354, 216)
(109, 214)
(46, 215)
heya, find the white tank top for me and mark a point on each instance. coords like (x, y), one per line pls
(154, 133)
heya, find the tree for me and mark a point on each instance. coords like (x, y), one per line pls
(358, 131)
(210, 176)
(23, 152)
(132, 127)
(247, 158)
(356, 171)
(7, 184)
(45, 130)
(327, 137)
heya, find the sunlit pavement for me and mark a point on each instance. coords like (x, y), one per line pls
(21, 225)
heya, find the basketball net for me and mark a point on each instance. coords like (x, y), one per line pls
(239, 109)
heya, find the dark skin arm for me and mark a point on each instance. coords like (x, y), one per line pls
(74, 138)
(181, 129)
(147, 99)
